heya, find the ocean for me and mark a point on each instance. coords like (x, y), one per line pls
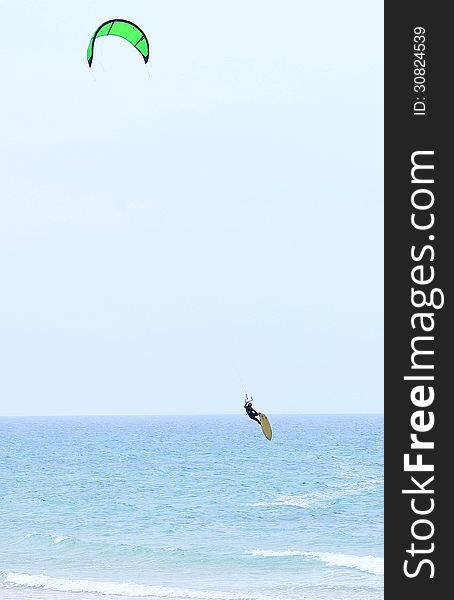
(191, 508)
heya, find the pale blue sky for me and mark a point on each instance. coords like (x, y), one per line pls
(174, 234)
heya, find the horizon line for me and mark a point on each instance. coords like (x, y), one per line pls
(187, 415)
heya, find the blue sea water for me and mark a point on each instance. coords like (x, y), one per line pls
(191, 508)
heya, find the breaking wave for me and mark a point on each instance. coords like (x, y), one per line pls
(112, 588)
(369, 564)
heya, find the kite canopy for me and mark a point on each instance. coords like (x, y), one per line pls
(125, 30)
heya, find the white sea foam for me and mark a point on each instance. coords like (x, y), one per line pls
(112, 588)
(320, 498)
(370, 564)
(273, 553)
(60, 538)
(303, 501)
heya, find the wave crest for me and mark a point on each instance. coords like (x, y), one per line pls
(369, 563)
(112, 588)
(324, 498)
(60, 538)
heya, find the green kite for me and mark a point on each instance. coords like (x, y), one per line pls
(125, 30)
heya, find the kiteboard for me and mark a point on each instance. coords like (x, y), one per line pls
(266, 427)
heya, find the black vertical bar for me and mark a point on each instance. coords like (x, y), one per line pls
(418, 124)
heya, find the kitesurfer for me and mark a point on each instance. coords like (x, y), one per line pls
(251, 412)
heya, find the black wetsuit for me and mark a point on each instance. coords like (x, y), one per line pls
(251, 412)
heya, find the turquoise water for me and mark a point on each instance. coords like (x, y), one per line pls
(201, 508)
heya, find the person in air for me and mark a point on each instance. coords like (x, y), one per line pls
(251, 412)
